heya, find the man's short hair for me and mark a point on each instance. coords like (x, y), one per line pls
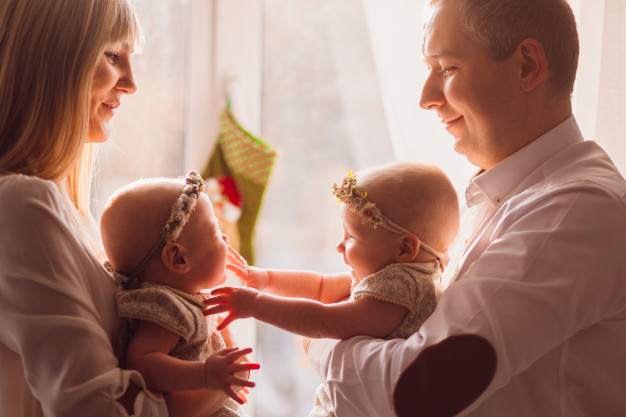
(500, 26)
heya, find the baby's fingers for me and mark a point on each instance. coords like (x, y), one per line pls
(229, 319)
(237, 270)
(235, 256)
(246, 366)
(235, 380)
(216, 300)
(233, 356)
(221, 290)
(216, 310)
(232, 394)
(243, 392)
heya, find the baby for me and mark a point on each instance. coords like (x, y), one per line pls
(164, 245)
(398, 221)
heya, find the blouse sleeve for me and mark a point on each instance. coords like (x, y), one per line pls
(57, 309)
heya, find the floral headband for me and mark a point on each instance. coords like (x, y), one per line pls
(179, 216)
(357, 202)
(181, 210)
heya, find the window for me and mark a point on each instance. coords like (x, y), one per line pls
(333, 86)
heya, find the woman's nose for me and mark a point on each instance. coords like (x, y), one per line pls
(126, 82)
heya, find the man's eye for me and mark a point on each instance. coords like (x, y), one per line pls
(445, 71)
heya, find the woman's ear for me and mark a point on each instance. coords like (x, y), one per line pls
(533, 63)
(175, 259)
(408, 248)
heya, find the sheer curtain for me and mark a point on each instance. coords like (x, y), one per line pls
(600, 91)
(395, 31)
(322, 110)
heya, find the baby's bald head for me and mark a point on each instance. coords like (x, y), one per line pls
(133, 218)
(417, 196)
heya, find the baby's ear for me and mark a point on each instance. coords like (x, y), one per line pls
(175, 259)
(408, 248)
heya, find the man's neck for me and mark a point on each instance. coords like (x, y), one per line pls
(537, 121)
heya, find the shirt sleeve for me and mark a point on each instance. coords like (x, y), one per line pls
(54, 310)
(553, 268)
(360, 373)
(524, 295)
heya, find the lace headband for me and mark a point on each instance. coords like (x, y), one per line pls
(357, 202)
(179, 215)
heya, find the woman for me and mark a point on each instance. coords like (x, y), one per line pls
(64, 66)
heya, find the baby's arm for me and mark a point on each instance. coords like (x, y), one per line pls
(287, 283)
(367, 316)
(148, 354)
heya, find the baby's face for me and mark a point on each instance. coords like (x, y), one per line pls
(366, 250)
(209, 246)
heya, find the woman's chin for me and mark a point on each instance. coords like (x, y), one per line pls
(99, 134)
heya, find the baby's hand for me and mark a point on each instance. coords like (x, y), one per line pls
(249, 275)
(239, 302)
(221, 367)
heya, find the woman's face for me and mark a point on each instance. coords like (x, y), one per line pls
(112, 79)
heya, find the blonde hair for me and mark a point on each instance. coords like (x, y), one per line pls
(500, 26)
(48, 54)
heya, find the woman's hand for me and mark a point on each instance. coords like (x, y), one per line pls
(238, 302)
(249, 275)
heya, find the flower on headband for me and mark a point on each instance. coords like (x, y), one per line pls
(356, 201)
(181, 210)
(371, 214)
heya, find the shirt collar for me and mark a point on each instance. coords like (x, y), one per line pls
(495, 184)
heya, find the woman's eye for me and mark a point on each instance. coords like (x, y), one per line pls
(113, 57)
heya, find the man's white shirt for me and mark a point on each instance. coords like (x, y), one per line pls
(540, 274)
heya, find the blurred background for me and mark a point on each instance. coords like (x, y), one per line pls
(331, 86)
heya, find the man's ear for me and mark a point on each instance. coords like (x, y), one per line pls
(175, 258)
(533, 63)
(408, 248)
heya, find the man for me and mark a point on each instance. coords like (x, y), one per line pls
(534, 321)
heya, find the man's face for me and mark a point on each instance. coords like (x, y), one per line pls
(474, 96)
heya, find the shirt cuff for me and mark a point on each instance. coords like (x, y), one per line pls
(319, 355)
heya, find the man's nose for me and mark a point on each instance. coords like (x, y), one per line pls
(432, 93)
